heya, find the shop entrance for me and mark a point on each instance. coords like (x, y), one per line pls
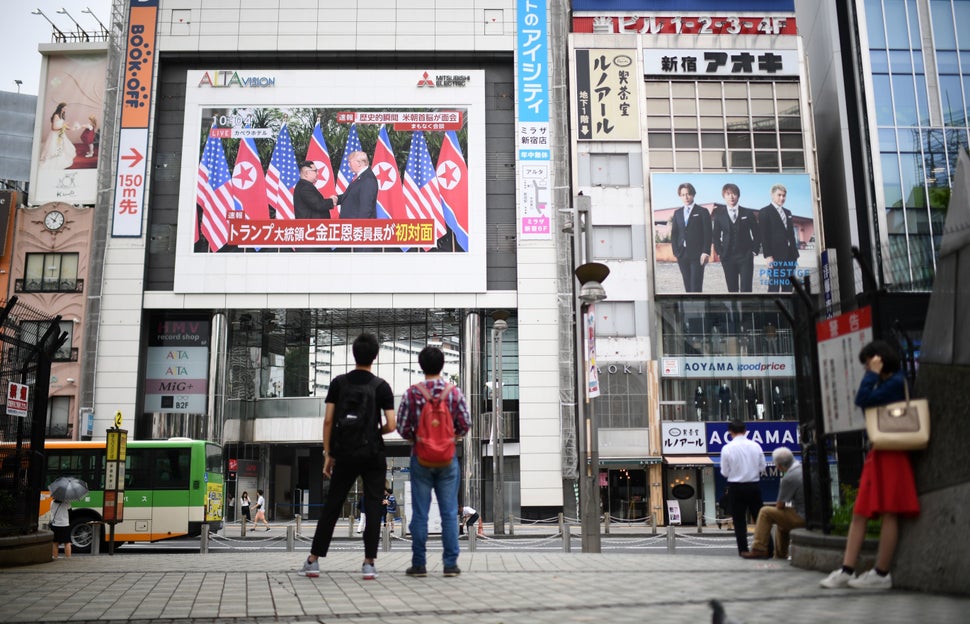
(626, 494)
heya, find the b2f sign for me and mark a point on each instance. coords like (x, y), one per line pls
(17, 399)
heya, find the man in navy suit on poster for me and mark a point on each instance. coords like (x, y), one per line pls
(690, 238)
(778, 242)
(359, 200)
(737, 239)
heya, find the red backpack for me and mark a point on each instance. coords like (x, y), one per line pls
(434, 439)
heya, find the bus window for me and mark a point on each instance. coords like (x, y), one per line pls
(138, 469)
(213, 459)
(173, 467)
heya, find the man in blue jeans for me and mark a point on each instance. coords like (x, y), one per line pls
(443, 481)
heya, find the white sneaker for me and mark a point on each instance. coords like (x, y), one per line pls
(871, 580)
(837, 579)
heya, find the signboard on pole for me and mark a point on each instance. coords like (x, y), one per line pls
(839, 341)
(17, 399)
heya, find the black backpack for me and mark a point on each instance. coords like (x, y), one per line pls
(355, 433)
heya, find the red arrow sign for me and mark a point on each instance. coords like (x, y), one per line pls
(135, 157)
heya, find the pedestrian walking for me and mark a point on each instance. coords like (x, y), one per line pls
(260, 511)
(742, 463)
(244, 507)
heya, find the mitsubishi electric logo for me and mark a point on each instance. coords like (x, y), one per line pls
(443, 80)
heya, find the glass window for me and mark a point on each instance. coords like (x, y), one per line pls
(765, 160)
(789, 108)
(904, 101)
(712, 160)
(712, 140)
(741, 160)
(656, 89)
(790, 140)
(609, 169)
(735, 90)
(787, 90)
(685, 123)
(951, 96)
(172, 468)
(658, 106)
(612, 242)
(659, 140)
(737, 140)
(761, 90)
(688, 160)
(942, 18)
(792, 161)
(686, 140)
(58, 417)
(662, 159)
(879, 60)
(895, 17)
(709, 90)
(763, 108)
(947, 62)
(50, 272)
(711, 108)
(736, 107)
(900, 62)
(887, 139)
(877, 37)
(615, 318)
(765, 140)
(961, 15)
(658, 123)
(683, 90)
(890, 179)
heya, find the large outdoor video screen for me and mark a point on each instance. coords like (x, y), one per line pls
(720, 233)
(332, 181)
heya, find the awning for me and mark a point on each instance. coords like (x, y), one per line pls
(688, 460)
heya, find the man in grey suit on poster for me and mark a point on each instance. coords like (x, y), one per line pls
(737, 239)
(690, 238)
(778, 242)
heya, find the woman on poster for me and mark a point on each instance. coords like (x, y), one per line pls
(59, 151)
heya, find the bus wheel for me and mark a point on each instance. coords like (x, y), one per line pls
(82, 534)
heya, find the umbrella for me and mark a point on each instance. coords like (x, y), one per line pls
(68, 489)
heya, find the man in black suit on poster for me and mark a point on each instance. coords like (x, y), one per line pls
(359, 200)
(690, 238)
(778, 242)
(737, 239)
(308, 203)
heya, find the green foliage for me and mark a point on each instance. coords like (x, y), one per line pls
(842, 514)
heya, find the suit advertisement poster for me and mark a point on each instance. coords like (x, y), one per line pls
(720, 233)
(328, 162)
(67, 136)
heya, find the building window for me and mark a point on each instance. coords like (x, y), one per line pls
(50, 272)
(609, 169)
(33, 331)
(612, 242)
(724, 126)
(58, 417)
(615, 318)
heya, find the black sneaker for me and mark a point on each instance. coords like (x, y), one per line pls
(452, 571)
(419, 571)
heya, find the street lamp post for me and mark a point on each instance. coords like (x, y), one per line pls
(591, 276)
(499, 325)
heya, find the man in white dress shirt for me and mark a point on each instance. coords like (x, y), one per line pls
(742, 463)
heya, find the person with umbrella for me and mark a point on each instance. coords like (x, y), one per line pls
(63, 490)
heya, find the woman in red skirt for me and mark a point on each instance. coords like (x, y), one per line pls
(887, 487)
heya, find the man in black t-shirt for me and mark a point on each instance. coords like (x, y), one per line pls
(343, 473)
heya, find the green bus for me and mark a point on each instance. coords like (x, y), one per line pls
(173, 488)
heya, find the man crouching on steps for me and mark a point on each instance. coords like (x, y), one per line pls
(443, 480)
(356, 397)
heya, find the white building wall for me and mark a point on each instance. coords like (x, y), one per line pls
(419, 25)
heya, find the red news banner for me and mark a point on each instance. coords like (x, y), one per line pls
(331, 232)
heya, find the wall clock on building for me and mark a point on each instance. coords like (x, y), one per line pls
(54, 220)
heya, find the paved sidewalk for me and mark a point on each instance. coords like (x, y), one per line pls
(503, 587)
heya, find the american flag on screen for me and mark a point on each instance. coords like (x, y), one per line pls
(390, 195)
(421, 194)
(282, 176)
(453, 185)
(214, 193)
(346, 174)
(317, 152)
